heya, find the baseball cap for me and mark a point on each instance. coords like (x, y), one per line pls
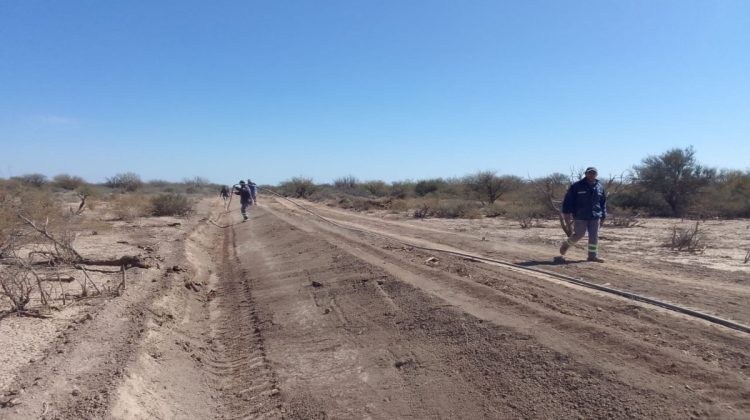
(591, 169)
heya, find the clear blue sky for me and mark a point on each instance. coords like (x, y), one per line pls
(385, 90)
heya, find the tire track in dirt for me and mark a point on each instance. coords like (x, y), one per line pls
(657, 365)
(245, 380)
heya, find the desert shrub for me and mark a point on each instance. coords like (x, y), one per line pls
(345, 183)
(129, 206)
(423, 211)
(298, 187)
(364, 204)
(16, 285)
(16, 199)
(688, 239)
(493, 210)
(676, 176)
(427, 186)
(322, 194)
(158, 183)
(68, 182)
(624, 218)
(31, 180)
(127, 181)
(376, 188)
(398, 206)
(488, 187)
(401, 189)
(171, 205)
(196, 182)
(451, 209)
(527, 216)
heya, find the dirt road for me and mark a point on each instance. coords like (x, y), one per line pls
(288, 316)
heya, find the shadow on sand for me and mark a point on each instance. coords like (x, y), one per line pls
(533, 263)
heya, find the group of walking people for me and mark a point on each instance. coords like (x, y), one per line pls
(248, 192)
(584, 210)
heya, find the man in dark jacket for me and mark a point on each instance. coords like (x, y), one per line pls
(246, 198)
(586, 204)
(224, 193)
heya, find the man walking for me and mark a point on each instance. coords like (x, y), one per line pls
(246, 198)
(253, 191)
(224, 193)
(586, 204)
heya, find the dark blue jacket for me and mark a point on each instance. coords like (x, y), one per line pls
(586, 201)
(246, 196)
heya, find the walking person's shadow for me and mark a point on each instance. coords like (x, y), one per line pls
(556, 261)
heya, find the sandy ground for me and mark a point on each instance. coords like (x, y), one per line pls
(288, 316)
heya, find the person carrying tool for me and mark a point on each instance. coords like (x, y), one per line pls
(585, 207)
(246, 198)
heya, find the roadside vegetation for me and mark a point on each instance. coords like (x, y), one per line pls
(40, 219)
(672, 184)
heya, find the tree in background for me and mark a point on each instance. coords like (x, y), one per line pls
(34, 180)
(127, 181)
(490, 187)
(346, 183)
(68, 182)
(299, 187)
(676, 176)
(427, 186)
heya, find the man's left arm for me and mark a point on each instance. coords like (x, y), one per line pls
(603, 203)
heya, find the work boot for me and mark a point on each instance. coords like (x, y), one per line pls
(564, 248)
(594, 258)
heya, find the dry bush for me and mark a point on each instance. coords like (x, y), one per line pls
(68, 182)
(127, 181)
(15, 199)
(457, 210)
(32, 180)
(171, 205)
(493, 210)
(364, 204)
(422, 208)
(130, 206)
(398, 205)
(688, 239)
(402, 189)
(298, 187)
(345, 183)
(527, 216)
(16, 285)
(445, 209)
(376, 188)
(423, 211)
(623, 218)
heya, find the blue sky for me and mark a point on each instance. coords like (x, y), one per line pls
(385, 90)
